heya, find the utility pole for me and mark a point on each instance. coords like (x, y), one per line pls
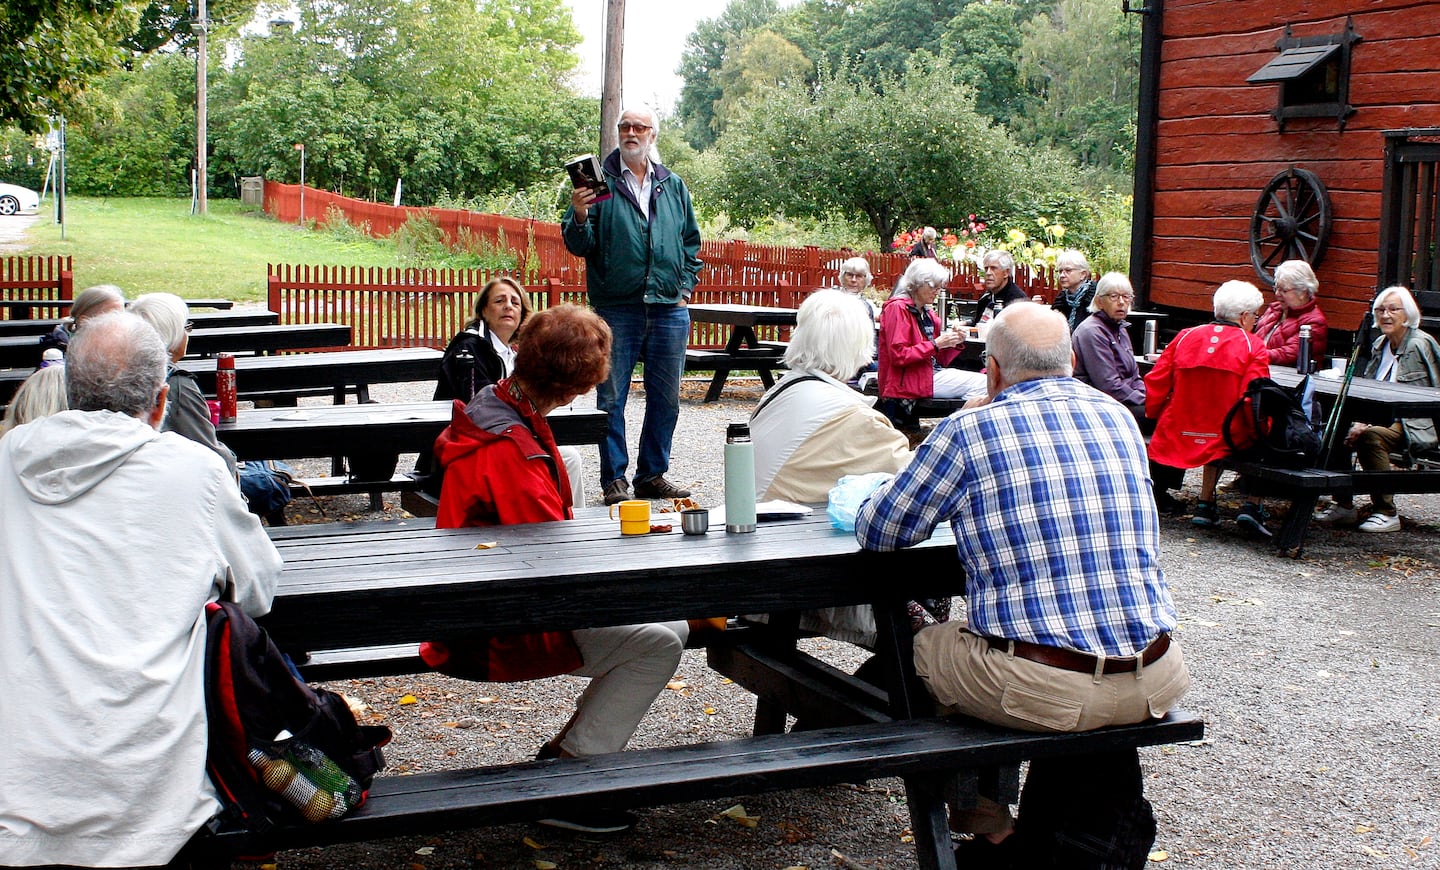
(614, 77)
(201, 26)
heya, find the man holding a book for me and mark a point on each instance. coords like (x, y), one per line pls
(641, 245)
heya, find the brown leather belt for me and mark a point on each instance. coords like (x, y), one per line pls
(1084, 663)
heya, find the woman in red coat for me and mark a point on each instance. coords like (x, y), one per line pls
(1201, 374)
(502, 467)
(1294, 307)
(915, 348)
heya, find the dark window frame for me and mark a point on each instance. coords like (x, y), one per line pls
(1410, 210)
(1313, 84)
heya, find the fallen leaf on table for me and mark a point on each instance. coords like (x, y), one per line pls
(408, 699)
(487, 545)
(737, 813)
(1159, 855)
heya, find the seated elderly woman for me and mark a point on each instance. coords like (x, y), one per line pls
(502, 468)
(1077, 288)
(855, 279)
(90, 302)
(1104, 355)
(42, 394)
(1405, 355)
(1294, 307)
(1201, 374)
(914, 350)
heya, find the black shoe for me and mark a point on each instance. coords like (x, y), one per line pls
(1205, 514)
(1166, 503)
(659, 487)
(616, 491)
(978, 851)
(1252, 519)
(592, 821)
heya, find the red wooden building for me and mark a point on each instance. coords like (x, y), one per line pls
(1274, 129)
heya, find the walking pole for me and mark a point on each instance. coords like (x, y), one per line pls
(1362, 340)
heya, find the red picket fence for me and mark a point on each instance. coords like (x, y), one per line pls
(541, 255)
(23, 279)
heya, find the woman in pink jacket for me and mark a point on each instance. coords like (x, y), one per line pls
(915, 348)
(1294, 307)
(1195, 382)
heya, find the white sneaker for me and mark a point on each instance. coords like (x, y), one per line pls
(1337, 513)
(1380, 523)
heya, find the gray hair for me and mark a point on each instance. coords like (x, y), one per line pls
(1412, 310)
(167, 313)
(834, 333)
(1002, 258)
(857, 266)
(1030, 341)
(924, 270)
(1074, 258)
(929, 234)
(92, 299)
(116, 363)
(1235, 298)
(42, 394)
(1110, 284)
(1296, 275)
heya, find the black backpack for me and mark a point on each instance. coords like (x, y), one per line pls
(280, 751)
(1276, 430)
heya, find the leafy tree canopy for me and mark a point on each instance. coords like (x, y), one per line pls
(50, 49)
(703, 58)
(167, 23)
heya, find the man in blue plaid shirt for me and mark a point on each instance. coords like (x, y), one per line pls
(1069, 616)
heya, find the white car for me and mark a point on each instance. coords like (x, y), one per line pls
(15, 199)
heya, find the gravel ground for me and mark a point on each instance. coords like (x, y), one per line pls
(1315, 677)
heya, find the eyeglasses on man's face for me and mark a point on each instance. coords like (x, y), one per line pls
(630, 127)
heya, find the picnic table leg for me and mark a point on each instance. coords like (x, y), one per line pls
(1291, 539)
(782, 634)
(929, 824)
(717, 384)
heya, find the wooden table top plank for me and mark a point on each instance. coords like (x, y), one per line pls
(267, 338)
(1405, 400)
(401, 427)
(742, 315)
(548, 576)
(201, 320)
(345, 368)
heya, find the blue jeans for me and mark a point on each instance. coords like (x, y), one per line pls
(655, 335)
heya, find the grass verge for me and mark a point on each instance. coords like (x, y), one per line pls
(151, 245)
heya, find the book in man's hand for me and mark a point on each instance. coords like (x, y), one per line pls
(585, 172)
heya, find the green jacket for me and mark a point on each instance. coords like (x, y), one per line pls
(1417, 362)
(629, 260)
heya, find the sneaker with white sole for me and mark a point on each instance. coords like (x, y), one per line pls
(1337, 514)
(1381, 523)
(1252, 519)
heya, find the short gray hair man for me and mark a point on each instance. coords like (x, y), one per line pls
(1027, 341)
(117, 363)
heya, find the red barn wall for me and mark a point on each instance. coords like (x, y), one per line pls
(1217, 144)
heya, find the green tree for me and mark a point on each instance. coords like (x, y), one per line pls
(852, 147)
(982, 43)
(1084, 60)
(51, 49)
(134, 131)
(167, 23)
(763, 60)
(703, 58)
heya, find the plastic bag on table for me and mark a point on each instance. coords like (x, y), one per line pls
(849, 493)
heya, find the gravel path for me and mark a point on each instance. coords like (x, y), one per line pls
(1316, 678)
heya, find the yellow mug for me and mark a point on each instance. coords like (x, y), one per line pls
(634, 516)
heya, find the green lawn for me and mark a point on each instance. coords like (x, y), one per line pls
(149, 245)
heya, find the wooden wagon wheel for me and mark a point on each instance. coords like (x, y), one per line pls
(1291, 222)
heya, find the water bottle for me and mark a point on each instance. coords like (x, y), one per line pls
(1302, 359)
(1150, 338)
(739, 479)
(225, 389)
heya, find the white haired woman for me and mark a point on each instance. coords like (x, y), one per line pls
(915, 351)
(1197, 379)
(1104, 357)
(1294, 307)
(1077, 288)
(1402, 354)
(42, 394)
(855, 278)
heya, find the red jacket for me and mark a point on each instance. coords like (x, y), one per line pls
(1279, 328)
(1201, 374)
(907, 357)
(501, 467)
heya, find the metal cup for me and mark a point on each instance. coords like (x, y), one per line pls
(695, 521)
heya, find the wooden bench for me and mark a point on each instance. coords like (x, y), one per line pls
(921, 750)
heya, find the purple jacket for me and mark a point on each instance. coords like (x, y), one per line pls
(1105, 359)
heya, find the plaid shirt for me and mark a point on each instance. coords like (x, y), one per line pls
(1048, 493)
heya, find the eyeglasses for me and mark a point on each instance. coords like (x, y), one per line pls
(627, 127)
(189, 326)
(1123, 297)
(1390, 309)
(1068, 269)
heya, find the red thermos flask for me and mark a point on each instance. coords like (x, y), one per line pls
(225, 386)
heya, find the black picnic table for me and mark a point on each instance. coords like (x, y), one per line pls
(398, 427)
(200, 319)
(340, 371)
(744, 350)
(268, 339)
